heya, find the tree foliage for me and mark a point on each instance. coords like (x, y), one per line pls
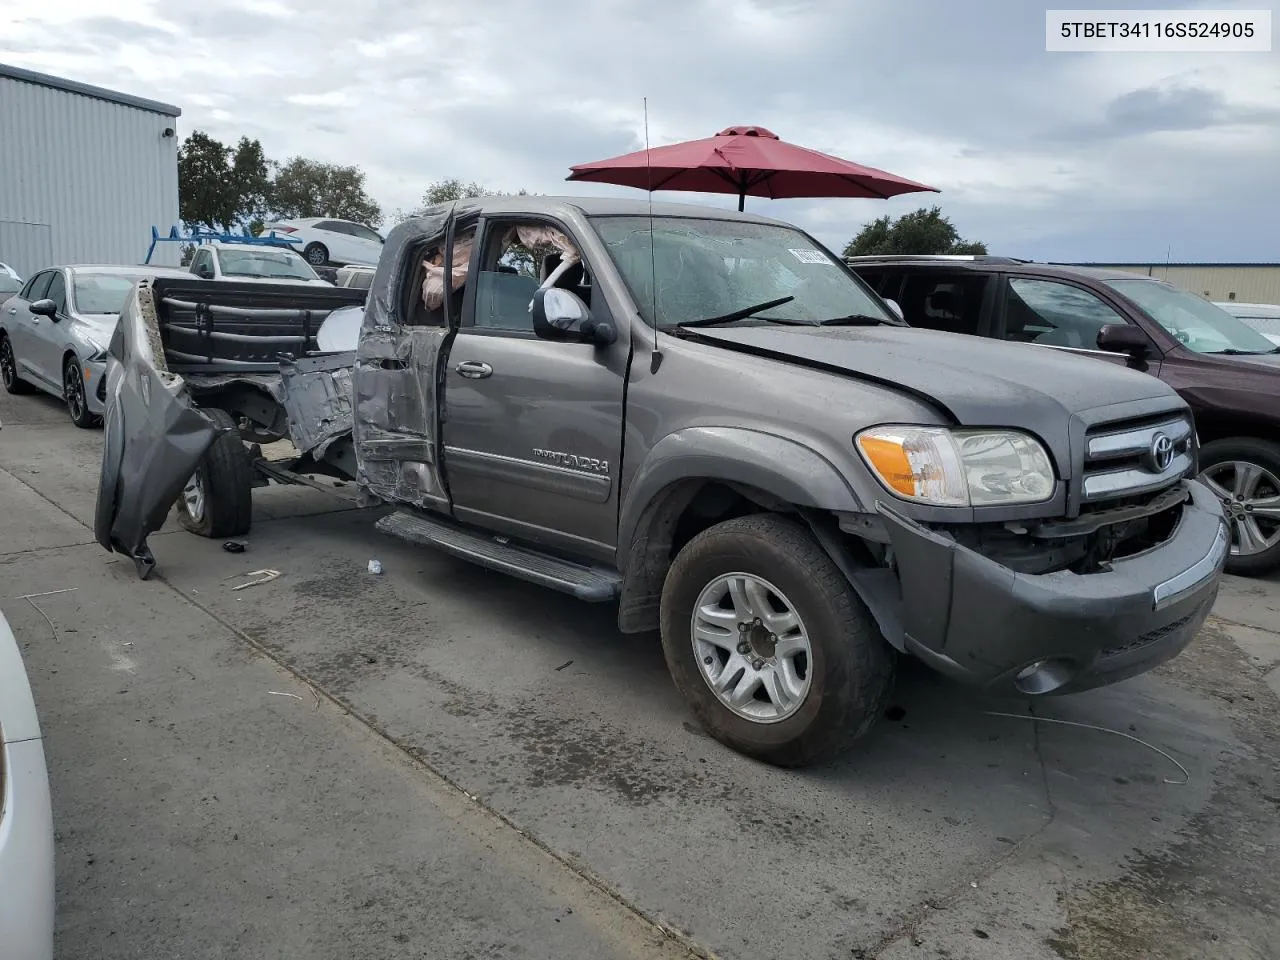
(309, 188)
(449, 190)
(924, 231)
(225, 187)
(220, 186)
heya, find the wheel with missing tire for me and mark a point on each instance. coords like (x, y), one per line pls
(1244, 473)
(769, 644)
(217, 500)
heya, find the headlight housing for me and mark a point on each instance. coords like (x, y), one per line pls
(97, 352)
(960, 467)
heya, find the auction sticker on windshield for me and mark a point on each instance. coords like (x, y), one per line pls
(810, 256)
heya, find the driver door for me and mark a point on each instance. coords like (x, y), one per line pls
(48, 334)
(533, 428)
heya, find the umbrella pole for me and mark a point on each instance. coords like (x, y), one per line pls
(742, 201)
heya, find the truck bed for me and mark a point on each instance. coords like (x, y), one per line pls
(217, 327)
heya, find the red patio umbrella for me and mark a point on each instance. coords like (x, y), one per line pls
(745, 160)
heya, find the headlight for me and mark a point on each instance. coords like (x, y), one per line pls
(97, 352)
(958, 468)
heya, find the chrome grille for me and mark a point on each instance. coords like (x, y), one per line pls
(1139, 456)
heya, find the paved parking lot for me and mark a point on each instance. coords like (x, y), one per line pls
(443, 762)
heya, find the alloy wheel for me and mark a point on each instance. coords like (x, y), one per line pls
(1250, 495)
(752, 647)
(193, 498)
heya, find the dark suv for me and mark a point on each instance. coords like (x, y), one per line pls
(1227, 372)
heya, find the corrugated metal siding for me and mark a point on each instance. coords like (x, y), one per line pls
(98, 174)
(1244, 284)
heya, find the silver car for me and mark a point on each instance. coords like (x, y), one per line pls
(55, 331)
(26, 818)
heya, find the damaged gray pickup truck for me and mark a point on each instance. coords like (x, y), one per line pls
(707, 419)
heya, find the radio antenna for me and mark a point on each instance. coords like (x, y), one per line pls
(655, 359)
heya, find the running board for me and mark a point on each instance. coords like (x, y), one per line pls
(593, 584)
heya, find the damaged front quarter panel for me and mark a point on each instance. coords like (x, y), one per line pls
(153, 437)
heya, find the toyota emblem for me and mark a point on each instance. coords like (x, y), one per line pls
(1161, 452)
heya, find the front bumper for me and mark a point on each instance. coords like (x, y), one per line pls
(26, 854)
(95, 385)
(980, 622)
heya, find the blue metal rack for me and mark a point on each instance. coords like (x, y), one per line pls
(198, 237)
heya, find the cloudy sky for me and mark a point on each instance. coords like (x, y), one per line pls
(1044, 155)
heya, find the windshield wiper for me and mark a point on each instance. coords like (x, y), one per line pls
(743, 314)
(853, 320)
(1233, 352)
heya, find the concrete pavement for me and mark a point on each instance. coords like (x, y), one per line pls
(952, 832)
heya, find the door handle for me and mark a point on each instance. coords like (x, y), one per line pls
(474, 369)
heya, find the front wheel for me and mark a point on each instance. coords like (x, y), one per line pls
(217, 500)
(74, 393)
(1244, 473)
(774, 652)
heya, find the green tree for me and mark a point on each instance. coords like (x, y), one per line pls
(450, 189)
(924, 231)
(310, 188)
(220, 187)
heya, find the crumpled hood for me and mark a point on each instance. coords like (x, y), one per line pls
(977, 381)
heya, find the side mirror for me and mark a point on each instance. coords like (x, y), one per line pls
(561, 315)
(204, 272)
(1123, 338)
(44, 308)
(897, 310)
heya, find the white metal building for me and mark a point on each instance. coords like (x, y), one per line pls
(84, 173)
(1242, 282)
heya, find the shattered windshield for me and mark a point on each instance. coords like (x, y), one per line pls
(1195, 323)
(697, 269)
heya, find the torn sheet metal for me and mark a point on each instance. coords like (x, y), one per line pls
(152, 436)
(316, 393)
(394, 381)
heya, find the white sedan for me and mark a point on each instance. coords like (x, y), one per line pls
(325, 240)
(252, 263)
(26, 816)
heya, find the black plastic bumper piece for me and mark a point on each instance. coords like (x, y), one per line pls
(981, 623)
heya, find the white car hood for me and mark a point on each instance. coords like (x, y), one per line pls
(17, 706)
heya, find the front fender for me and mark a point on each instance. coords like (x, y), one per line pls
(784, 468)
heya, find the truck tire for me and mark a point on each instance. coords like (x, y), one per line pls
(1244, 473)
(736, 597)
(218, 499)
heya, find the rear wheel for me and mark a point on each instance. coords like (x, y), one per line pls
(218, 498)
(769, 644)
(1244, 473)
(316, 254)
(74, 393)
(9, 369)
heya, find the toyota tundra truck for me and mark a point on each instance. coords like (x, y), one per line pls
(705, 418)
